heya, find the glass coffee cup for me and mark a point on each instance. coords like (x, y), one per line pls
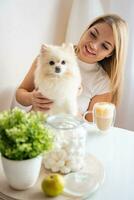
(103, 115)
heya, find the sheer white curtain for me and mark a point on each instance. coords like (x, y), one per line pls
(81, 14)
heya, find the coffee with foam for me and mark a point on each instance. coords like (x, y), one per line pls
(104, 114)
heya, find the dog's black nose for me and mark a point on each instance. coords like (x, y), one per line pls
(57, 69)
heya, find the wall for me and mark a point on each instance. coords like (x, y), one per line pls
(24, 26)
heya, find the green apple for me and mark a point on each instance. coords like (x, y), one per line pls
(53, 185)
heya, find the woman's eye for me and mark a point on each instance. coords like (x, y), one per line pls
(93, 34)
(105, 47)
(63, 62)
(51, 62)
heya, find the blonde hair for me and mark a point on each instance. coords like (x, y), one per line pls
(114, 65)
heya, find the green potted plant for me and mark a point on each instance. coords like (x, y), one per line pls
(23, 139)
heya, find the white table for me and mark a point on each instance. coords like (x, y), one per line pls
(115, 150)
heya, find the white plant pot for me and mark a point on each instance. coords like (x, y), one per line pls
(22, 174)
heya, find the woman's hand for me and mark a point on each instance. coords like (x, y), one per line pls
(39, 102)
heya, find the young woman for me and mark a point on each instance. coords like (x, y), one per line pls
(101, 54)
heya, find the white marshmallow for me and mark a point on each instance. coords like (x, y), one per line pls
(55, 169)
(65, 170)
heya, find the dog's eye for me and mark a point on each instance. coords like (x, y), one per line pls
(63, 62)
(51, 62)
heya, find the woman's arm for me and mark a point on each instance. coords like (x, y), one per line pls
(26, 94)
(107, 97)
(24, 91)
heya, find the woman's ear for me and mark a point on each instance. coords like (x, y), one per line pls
(109, 55)
(113, 52)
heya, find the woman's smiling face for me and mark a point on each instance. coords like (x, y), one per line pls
(96, 43)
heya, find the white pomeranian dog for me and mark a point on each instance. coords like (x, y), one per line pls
(58, 78)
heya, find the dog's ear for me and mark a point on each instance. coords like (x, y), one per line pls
(68, 47)
(44, 48)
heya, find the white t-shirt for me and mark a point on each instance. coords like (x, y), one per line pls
(95, 81)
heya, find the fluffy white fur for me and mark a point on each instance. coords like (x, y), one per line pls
(58, 77)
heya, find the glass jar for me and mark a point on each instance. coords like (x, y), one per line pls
(69, 149)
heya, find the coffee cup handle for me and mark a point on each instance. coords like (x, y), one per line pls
(85, 113)
(84, 118)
